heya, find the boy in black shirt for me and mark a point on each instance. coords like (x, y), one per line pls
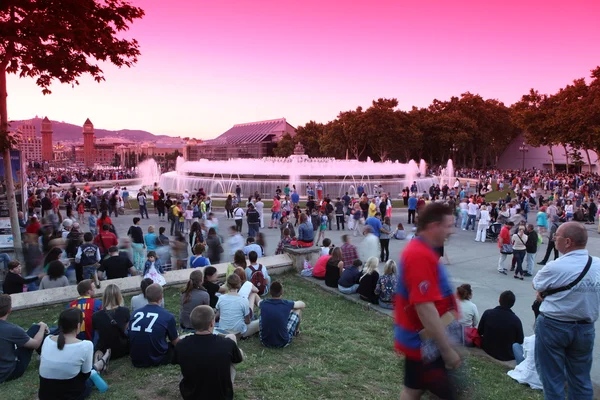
(207, 360)
(13, 282)
(211, 285)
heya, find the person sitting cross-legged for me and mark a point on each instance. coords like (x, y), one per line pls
(279, 319)
(149, 328)
(233, 310)
(16, 345)
(499, 328)
(207, 360)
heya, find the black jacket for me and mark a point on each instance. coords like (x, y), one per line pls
(499, 328)
(532, 242)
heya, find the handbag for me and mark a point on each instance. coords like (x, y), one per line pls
(507, 248)
(571, 285)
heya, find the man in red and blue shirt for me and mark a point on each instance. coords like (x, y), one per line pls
(88, 306)
(424, 306)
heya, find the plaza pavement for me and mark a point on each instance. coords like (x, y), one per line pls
(470, 262)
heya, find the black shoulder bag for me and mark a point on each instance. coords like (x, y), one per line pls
(570, 285)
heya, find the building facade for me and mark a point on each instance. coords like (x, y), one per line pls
(29, 143)
(248, 140)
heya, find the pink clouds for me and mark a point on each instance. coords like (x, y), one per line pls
(208, 65)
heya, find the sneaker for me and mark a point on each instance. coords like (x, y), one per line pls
(541, 263)
(502, 272)
(527, 274)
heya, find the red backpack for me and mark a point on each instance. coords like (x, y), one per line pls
(258, 279)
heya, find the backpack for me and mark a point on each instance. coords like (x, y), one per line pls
(258, 279)
(196, 212)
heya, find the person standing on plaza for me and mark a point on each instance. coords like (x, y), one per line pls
(137, 243)
(260, 207)
(504, 245)
(484, 223)
(143, 203)
(532, 244)
(238, 217)
(519, 241)
(253, 218)
(425, 310)
(570, 304)
(412, 209)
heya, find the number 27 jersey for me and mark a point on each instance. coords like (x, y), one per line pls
(149, 328)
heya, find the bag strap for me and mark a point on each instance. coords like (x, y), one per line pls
(521, 239)
(570, 285)
(252, 269)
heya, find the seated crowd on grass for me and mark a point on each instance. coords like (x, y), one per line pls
(212, 317)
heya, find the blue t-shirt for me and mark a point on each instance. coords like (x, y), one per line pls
(199, 261)
(295, 197)
(149, 328)
(274, 314)
(374, 223)
(412, 203)
(350, 276)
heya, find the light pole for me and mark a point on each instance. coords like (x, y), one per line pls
(523, 149)
(453, 149)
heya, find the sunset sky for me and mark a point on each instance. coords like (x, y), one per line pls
(207, 65)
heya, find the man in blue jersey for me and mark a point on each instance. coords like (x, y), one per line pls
(149, 328)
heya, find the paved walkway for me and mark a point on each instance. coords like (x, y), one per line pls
(471, 262)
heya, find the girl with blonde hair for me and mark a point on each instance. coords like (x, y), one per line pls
(386, 285)
(111, 324)
(368, 281)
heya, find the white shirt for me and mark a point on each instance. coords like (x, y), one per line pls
(236, 242)
(66, 363)
(472, 209)
(253, 247)
(238, 213)
(245, 290)
(259, 207)
(484, 217)
(581, 302)
(469, 314)
(325, 251)
(519, 243)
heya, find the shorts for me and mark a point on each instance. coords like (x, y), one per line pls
(432, 377)
(89, 271)
(323, 227)
(292, 326)
(276, 216)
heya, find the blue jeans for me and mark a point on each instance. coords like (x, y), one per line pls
(530, 262)
(350, 290)
(471, 220)
(23, 356)
(562, 347)
(4, 259)
(463, 214)
(518, 352)
(144, 210)
(138, 256)
(519, 256)
(253, 229)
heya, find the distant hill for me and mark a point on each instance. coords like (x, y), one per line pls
(63, 131)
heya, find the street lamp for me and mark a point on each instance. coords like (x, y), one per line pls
(453, 149)
(523, 149)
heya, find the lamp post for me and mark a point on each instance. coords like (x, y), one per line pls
(523, 149)
(453, 149)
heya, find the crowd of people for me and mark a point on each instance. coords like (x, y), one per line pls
(83, 247)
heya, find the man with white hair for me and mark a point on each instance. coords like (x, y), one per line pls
(67, 225)
(569, 291)
(370, 244)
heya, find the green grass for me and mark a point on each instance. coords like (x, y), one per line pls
(344, 351)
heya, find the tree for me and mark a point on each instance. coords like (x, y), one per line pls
(310, 136)
(58, 40)
(116, 160)
(383, 127)
(285, 146)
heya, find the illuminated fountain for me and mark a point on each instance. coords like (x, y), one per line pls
(219, 178)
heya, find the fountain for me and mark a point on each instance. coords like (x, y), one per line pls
(219, 178)
(149, 172)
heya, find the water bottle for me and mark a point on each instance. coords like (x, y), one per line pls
(98, 381)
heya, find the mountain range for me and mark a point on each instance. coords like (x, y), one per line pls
(65, 132)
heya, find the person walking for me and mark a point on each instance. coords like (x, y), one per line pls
(504, 246)
(424, 334)
(551, 245)
(143, 204)
(412, 209)
(519, 241)
(570, 304)
(532, 244)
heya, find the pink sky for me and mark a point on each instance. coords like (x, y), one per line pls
(208, 65)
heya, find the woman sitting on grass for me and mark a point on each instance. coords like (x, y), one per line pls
(212, 285)
(66, 362)
(368, 281)
(386, 285)
(194, 294)
(111, 324)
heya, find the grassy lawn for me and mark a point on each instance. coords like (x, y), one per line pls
(344, 351)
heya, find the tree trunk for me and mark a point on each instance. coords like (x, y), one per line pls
(587, 153)
(551, 158)
(10, 185)
(566, 157)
